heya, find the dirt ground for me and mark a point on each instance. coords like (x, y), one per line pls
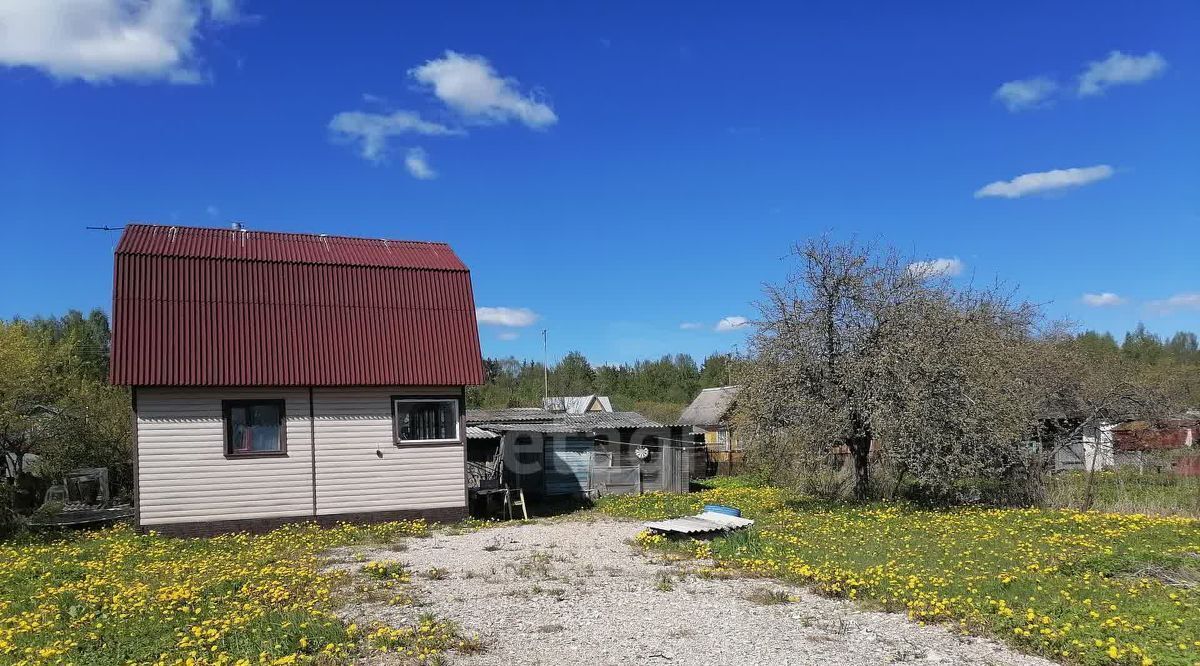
(576, 592)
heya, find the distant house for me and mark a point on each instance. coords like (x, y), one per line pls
(577, 404)
(1167, 444)
(281, 377)
(1170, 434)
(548, 453)
(1161, 444)
(710, 414)
(1091, 447)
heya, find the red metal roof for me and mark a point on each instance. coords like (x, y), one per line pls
(220, 307)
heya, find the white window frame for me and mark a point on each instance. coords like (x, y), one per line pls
(457, 439)
(723, 444)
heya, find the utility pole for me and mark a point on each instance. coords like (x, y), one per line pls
(545, 365)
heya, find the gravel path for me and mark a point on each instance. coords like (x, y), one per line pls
(576, 593)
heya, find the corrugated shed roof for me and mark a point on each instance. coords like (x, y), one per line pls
(613, 420)
(710, 407)
(214, 307)
(540, 426)
(475, 432)
(509, 414)
(528, 420)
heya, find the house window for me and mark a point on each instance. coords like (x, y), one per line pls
(718, 440)
(254, 428)
(425, 420)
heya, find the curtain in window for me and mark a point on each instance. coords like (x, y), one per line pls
(426, 420)
(255, 428)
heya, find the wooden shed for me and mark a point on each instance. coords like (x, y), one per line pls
(553, 454)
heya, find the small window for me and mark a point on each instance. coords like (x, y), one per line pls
(254, 428)
(425, 421)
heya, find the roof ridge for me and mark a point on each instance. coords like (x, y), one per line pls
(155, 225)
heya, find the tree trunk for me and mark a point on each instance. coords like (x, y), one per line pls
(860, 448)
(1088, 492)
(1089, 488)
(899, 481)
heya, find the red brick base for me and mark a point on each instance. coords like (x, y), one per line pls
(258, 525)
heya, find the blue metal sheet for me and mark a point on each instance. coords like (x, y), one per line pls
(567, 465)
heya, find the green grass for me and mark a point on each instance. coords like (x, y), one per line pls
(737, 481)
(113, 597)
(1090, 588)
(1129, 491)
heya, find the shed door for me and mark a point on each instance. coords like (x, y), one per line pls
(567, 461)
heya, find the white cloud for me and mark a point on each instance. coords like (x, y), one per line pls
(1044, 181)
(105, 40)
(691, 325)
(212, 210)
(225, 11)
(1026, 93)
(1120, 69)
(472, 87)
(417, 163)
(1186, 301)
(937, 267)
(731, 323)
(515, 317)
(372, 130)
(508, 335)
(1102, 299)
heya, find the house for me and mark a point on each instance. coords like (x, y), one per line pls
(1091, 447)
(281, 377)
(577, 404)
(1162, 444)
(551, 453)
(710, 415)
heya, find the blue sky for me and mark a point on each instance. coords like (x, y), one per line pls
(618, 170)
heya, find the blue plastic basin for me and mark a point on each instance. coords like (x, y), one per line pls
(720, 508)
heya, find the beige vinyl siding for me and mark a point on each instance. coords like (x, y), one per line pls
(360, 469)
(184, 476)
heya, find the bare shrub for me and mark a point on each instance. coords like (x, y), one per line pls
(872, 367)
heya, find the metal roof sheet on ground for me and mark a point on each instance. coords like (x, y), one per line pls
(707, 521)
(220, 307)
(475, 432)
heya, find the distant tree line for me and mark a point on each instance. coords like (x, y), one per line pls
(659, 389)
(1172, 363)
